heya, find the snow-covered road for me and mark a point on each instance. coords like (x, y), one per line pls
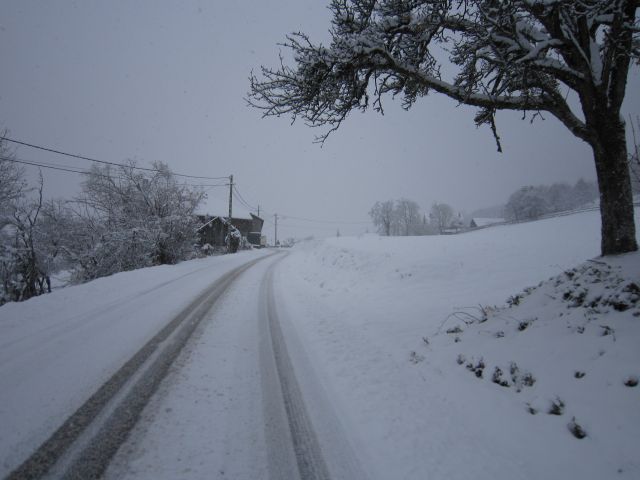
(57, 350)
(215, 392)
(207, 420)
(232, 406)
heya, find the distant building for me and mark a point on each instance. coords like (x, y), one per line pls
(213, 229)
(485, 222)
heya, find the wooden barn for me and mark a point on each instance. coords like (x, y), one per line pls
(213, 229)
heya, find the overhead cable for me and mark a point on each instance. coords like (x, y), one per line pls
(85, 172)
(241, 199)
(104, 162)
(342, 222)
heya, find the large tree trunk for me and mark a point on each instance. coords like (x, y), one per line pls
(614, 181)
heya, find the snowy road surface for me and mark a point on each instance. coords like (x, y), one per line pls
(231, 406)
(56, 350)
(234, 379)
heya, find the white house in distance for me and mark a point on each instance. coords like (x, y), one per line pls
(485, 222)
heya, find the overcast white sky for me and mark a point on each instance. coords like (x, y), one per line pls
(166, 80)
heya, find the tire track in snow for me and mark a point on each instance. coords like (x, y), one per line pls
(295, 446)
(308, 462)
(85, 443)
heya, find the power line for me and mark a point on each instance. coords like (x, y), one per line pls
(342, 222)
(39, 163)
(104, 162)
(266, 213)
(85, 172)
(35, 164)
(313, 220)
(237, 193)
(307, 227)
(249, 207)
(242, 200)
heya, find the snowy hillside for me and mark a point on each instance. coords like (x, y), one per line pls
(501, 354)
(444, 368)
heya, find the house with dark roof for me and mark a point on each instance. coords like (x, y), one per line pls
(214, 228)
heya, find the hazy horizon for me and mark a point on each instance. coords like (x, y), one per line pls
(166, 82)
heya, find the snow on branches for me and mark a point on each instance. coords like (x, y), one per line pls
(508, 54)
(124, 219)
(523, 55)
(131, 219)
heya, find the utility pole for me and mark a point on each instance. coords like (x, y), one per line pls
(276, 239)
(226, 228)
(230, 194)
(258, 210)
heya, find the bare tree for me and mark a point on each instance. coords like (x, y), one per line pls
(441, 215)
(21, 272)
(12, 183)
(560, 197)
(408, 215)
(23, 267)
(383, 215)
(521, 55)
(527, 203)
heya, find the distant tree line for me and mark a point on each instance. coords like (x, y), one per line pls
(123, 219)
(404, 217)
(531, 202)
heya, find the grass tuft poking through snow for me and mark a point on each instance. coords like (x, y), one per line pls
(583, 320)
(576, 429)
(557, 407)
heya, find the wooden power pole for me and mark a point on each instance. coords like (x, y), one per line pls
(225, 228)
(276, 239)
(230, 195)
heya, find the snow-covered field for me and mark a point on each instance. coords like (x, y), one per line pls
(374, 314)
(404, 345)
